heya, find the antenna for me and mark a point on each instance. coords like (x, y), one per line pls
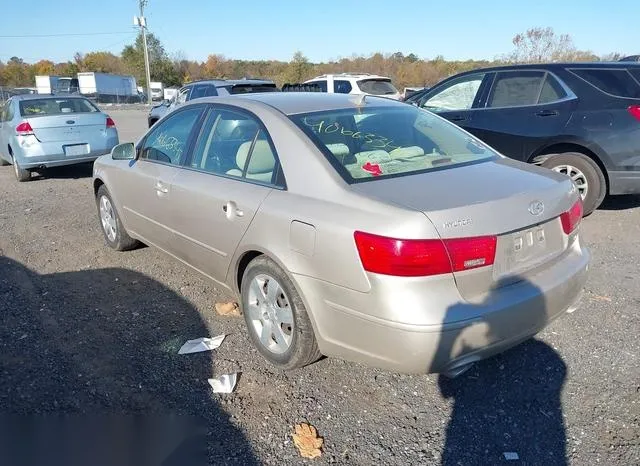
(359, 100)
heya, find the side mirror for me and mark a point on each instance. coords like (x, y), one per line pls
(126, 151)
(166, 102)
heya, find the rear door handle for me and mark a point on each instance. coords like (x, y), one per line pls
(545, 113)
(231, 209)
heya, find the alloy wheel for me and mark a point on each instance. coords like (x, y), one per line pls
(270, 314)
(577, 176)
(107, 217)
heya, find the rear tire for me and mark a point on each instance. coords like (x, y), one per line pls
(586, 174)
(289, 341)
(114, 233)
(21, 173)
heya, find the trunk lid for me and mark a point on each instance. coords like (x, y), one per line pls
(70, 127)
(518, 203)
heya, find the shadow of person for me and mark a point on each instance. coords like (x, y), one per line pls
(509, 403)
(101, 346)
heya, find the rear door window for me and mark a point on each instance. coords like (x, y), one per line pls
(551, 91)
(517, 89)
(616, 82)
(341, 86)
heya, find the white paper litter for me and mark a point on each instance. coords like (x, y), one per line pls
(511, 456)
(201, 344)
(224, 384)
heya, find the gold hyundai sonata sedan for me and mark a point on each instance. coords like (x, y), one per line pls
(354, 227)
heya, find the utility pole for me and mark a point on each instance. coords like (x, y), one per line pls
(142, 22)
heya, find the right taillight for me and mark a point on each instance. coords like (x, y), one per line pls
(572, 217)
(634, 110)
(419, 258)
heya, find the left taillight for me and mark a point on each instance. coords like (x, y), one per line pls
(572, 217)
(24, 129)
(423, 257)
(110, 122)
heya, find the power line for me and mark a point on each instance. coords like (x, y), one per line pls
(65, 34)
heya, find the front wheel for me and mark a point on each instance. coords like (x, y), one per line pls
(110, 223)
(276, 318)
(586, 175)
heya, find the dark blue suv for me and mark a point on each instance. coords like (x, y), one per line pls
(581, 119)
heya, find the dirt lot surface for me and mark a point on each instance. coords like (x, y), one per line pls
(87, 330)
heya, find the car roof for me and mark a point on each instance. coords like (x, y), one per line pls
(350, 75)
(292, 103)
(229, 82)
(46, 96)
(553, 66)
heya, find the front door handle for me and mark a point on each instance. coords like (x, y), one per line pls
(546, 113)
(458, 118)
(161, 188)
(231, 209)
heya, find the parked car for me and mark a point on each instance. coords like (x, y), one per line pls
(208, 88)
(351, 226)
(356, 83)
(582, 120)
(39, 131)
(631, 58)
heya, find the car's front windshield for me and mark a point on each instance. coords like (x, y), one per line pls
(378, 142)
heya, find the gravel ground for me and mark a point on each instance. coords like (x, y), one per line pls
(87, 330)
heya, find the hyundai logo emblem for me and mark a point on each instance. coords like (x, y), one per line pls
(536, 207)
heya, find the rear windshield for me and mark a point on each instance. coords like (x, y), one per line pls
(615, 82)
(377, 86)
(43, 107)
(380, 142)
(248, 88)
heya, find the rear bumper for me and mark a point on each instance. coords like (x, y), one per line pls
(51, 154)
(503, 319)
(57, 161)
(624, 182)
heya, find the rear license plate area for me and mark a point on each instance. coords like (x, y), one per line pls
(525, 249)
(76, 149)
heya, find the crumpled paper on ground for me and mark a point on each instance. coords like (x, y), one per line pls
(201, 344)
(224, 384)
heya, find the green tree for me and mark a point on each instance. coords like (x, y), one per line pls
(159, 63)
(299, 69)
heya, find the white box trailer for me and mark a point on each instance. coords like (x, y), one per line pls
(170, 92)
(104, 87)
(46, 84)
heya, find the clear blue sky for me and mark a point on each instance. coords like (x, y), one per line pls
(322, 30)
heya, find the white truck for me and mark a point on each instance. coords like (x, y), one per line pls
(46, 84)
(157, 90)
(102, 87)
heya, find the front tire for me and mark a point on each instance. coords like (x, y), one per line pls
(114, 233)
(585, 173)
(277, 321)
(21, 174)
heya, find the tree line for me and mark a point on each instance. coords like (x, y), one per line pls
(536, 45)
